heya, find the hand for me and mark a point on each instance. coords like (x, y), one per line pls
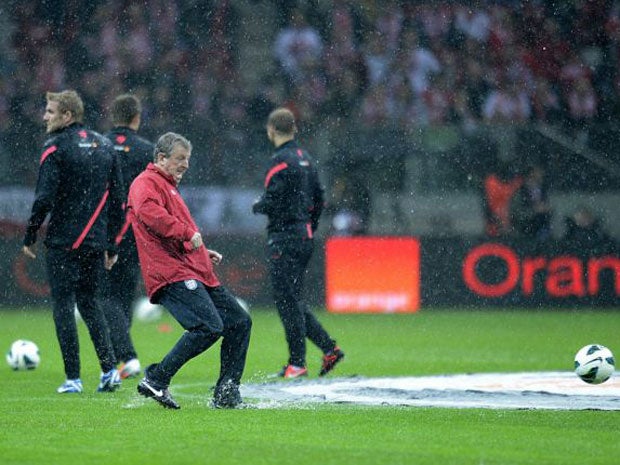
(109, 260)
(196, 240)
(215, 257)
(28, 251)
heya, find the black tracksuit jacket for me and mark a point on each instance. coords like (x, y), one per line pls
(293, 202)
(293, 198)
(134, 153)
(80, 187)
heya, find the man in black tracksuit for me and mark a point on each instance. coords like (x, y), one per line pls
(79, 186)
(293, 202)
(118, 287)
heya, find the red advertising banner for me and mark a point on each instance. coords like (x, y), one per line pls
(372, 274)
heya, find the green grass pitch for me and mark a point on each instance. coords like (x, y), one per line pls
(38, 426)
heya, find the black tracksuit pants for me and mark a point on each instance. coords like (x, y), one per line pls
(73, 276)
(206, 313)
(288, 255)
(118, 290)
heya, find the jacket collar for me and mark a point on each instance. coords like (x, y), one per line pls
(153, 167)
(73, 126)
(288, 144)
(123, 130)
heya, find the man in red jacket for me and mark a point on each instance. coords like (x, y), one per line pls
(178, 273)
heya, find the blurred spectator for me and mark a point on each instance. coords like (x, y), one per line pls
(463, 113)
(349, 206)
(297, 47)
(439, 101)
(377, 58)
(474, 82)
(421, 62)
(389, 22)
(473, 23)
(530, 209)
(574, 69)
(346, 74)
(546, 102)
(499, 188)
(508, 103)
(436, 20)
(585, 231)
(342, 48)
(582, 103)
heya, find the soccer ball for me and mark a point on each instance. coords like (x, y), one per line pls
(594, 363)
(23, 355)
(144, 310)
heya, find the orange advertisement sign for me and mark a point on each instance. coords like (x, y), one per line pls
(372, 274)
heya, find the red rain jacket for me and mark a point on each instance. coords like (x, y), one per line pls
(163, 227)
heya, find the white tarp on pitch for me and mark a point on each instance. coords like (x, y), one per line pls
(536, 390)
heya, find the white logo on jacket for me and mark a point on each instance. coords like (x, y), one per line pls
(191, 284)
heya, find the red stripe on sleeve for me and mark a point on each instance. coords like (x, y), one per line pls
(47, 153)
(121, 234)
(273, 171)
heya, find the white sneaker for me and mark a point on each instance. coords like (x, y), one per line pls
(70, 386)
(130, 369)
(110, 381)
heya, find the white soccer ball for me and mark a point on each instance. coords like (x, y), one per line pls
(23, 355)
(594, 363)
(144, 310)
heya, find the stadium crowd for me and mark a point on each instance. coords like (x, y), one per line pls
(366, 65)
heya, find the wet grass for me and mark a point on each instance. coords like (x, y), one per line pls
(41, 427)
